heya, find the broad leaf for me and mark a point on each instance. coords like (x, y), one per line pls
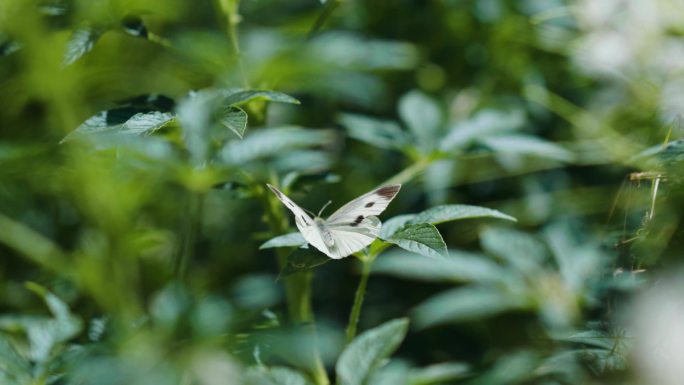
(368, 351)
(81, 42)
(123, 120)
(287, 240)
(237, 96)
(458, 266)
(522, 251)
(303, 259)
(393, 224)
(378, 133)
(235, 119)
(422, 238)
(275, 376)
(483, 124)
(527, 145)
(439, 373)
(461, 304)
(423, 117)
(446, 213)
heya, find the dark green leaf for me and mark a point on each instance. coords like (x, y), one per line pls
(303, 259)
(393, 224)
(422, 238)
(287, 240)
(368, 351)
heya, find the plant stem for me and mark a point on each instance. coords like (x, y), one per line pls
(189, 229)
(230, 9)
(410, 172)
(358, 299)
(328, 9)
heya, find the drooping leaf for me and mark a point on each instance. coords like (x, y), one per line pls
(422, 238)
(423, 117)
(447, 213)
(274, 376)
(235, 119)
(461, 304)
(439, 373)
(527, 145)
(124, 121)
(273, 142)
(287, 240)
(238, 96)
(458, 266)
(378, 133)
(81, 42)
(303, 259)
(368, 351)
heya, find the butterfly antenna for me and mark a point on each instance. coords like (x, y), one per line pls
(323, 208)
(309, 211)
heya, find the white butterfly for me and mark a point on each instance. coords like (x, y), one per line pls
(349, 229)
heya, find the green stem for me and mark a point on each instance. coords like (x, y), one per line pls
(358, 299)
(230, 9)
(410, 172)
(328, 9)
(191, 223)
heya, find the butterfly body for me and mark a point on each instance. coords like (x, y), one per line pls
(349, 229)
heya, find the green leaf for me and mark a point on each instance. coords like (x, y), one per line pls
(273, 142)
(527, 145)
(447, 213)
(462, 304)
(521, 250)
(483, 124)
(393, 224)
(367, 352)
(423, 117)
(110, 122)
(81, 42)
(287, 240)
(439, 373)
(458, 266)
(303, 259)
(422, 238)
(235, 119)
(378, 133)
(13, 364)
(274, 376)
(238, 96)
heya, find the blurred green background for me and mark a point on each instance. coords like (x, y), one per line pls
(136, 139)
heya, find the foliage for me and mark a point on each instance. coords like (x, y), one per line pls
(537, 144)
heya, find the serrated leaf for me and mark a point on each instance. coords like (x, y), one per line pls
(273, 142)
(378, 133)
(275, 376)
(422, 238)
(303, 259)
(238, 97)
(527, 145)
(235, 119)
(287, 240)
(461, 304)
(367, 352)
(439, 373)
(423, 117)
(447, 213)
(458, 266)
(81, 42)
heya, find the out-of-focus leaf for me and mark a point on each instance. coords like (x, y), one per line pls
(274, 376)
(350, 51)
(378, 133)
(12, 364)
(108, 122)
(483, 124)
(422, 238)
(303, 161)
(527, 145)
(523, 251)
(81, 42)
(512, 369)
(303, 259)
(446, 213)
(423, 117)
(235, 119)
(458, 266)
(463, 304)
(396, 372)
(439, 373)
(287, 240)
(238, 96)
(368, 351)
(272, 142)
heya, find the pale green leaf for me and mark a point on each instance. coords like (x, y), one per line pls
(483, 124)
(422, 238)
(110, 122)
(423, 117)
(527, 145)
(235, 119)
(237, 96)
(378, 133)
(523, 251)
(446, 213)
(458, 266)
(439, 373)
(82, 40)
(287, 240)
(368, 351)
(463, 304)
(274, 376)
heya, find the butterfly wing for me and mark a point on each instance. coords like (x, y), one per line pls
(349, 239)
(370, 204)
(304, 223)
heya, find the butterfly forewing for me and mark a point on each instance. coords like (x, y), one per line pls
(369, 204)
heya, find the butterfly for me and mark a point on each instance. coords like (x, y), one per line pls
(349, 229)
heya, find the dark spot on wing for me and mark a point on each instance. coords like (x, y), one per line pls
(304, 219)
(388, 192)
(356, 222)
(370, 204)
